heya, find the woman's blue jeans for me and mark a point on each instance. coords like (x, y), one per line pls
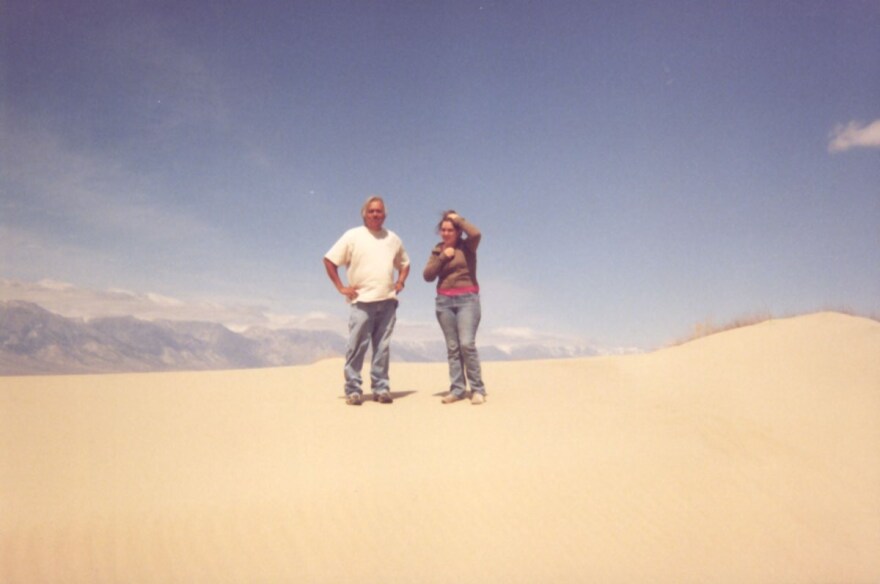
(459, 317)
(370, 323)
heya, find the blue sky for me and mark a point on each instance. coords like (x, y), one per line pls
(636, 167)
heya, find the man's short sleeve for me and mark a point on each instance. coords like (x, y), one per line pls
(401, 259)
(340, 253)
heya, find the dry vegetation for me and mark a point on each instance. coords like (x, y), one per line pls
(710, 327)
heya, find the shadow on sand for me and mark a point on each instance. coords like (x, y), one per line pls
(370, 398)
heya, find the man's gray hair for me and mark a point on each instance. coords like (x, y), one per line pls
(371, 199)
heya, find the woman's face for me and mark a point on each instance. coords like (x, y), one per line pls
(448, 233)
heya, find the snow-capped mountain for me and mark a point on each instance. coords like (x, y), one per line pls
(34, 340)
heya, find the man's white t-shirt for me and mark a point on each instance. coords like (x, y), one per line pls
(370, 259)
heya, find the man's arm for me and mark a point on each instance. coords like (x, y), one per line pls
(402, 275)
(333, 273)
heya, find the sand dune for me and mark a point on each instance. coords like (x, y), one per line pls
(748, 456)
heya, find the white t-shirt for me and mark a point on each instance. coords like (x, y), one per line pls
(370, 260)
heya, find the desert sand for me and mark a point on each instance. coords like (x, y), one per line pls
(750, 456)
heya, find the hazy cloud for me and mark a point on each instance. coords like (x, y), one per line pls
(855, 135)
(57, 202)
(74, 302)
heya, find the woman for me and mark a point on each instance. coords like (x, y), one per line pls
(453, 263)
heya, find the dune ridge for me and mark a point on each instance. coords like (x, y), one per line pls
(752, 455)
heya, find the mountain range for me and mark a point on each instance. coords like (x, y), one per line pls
(35, 341)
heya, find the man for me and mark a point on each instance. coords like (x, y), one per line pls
(370, 254)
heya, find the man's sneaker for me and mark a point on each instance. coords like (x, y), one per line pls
(354, 399)
(478, 398)
(451, 398)
(383, 397)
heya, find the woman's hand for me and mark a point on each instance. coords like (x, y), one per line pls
(449, 252)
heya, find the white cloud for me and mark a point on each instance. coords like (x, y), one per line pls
(54, 285)
(160, 300)
(855, 135)
(524, 333)
(73, 302)
(313, 321)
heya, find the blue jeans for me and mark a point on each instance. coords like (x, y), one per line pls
(459, 317)
(369, 323)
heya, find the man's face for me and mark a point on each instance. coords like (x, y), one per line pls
(375, 216)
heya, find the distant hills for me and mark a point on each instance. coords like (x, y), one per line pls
(34, 341)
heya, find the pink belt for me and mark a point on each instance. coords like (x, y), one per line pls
(458, 291)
